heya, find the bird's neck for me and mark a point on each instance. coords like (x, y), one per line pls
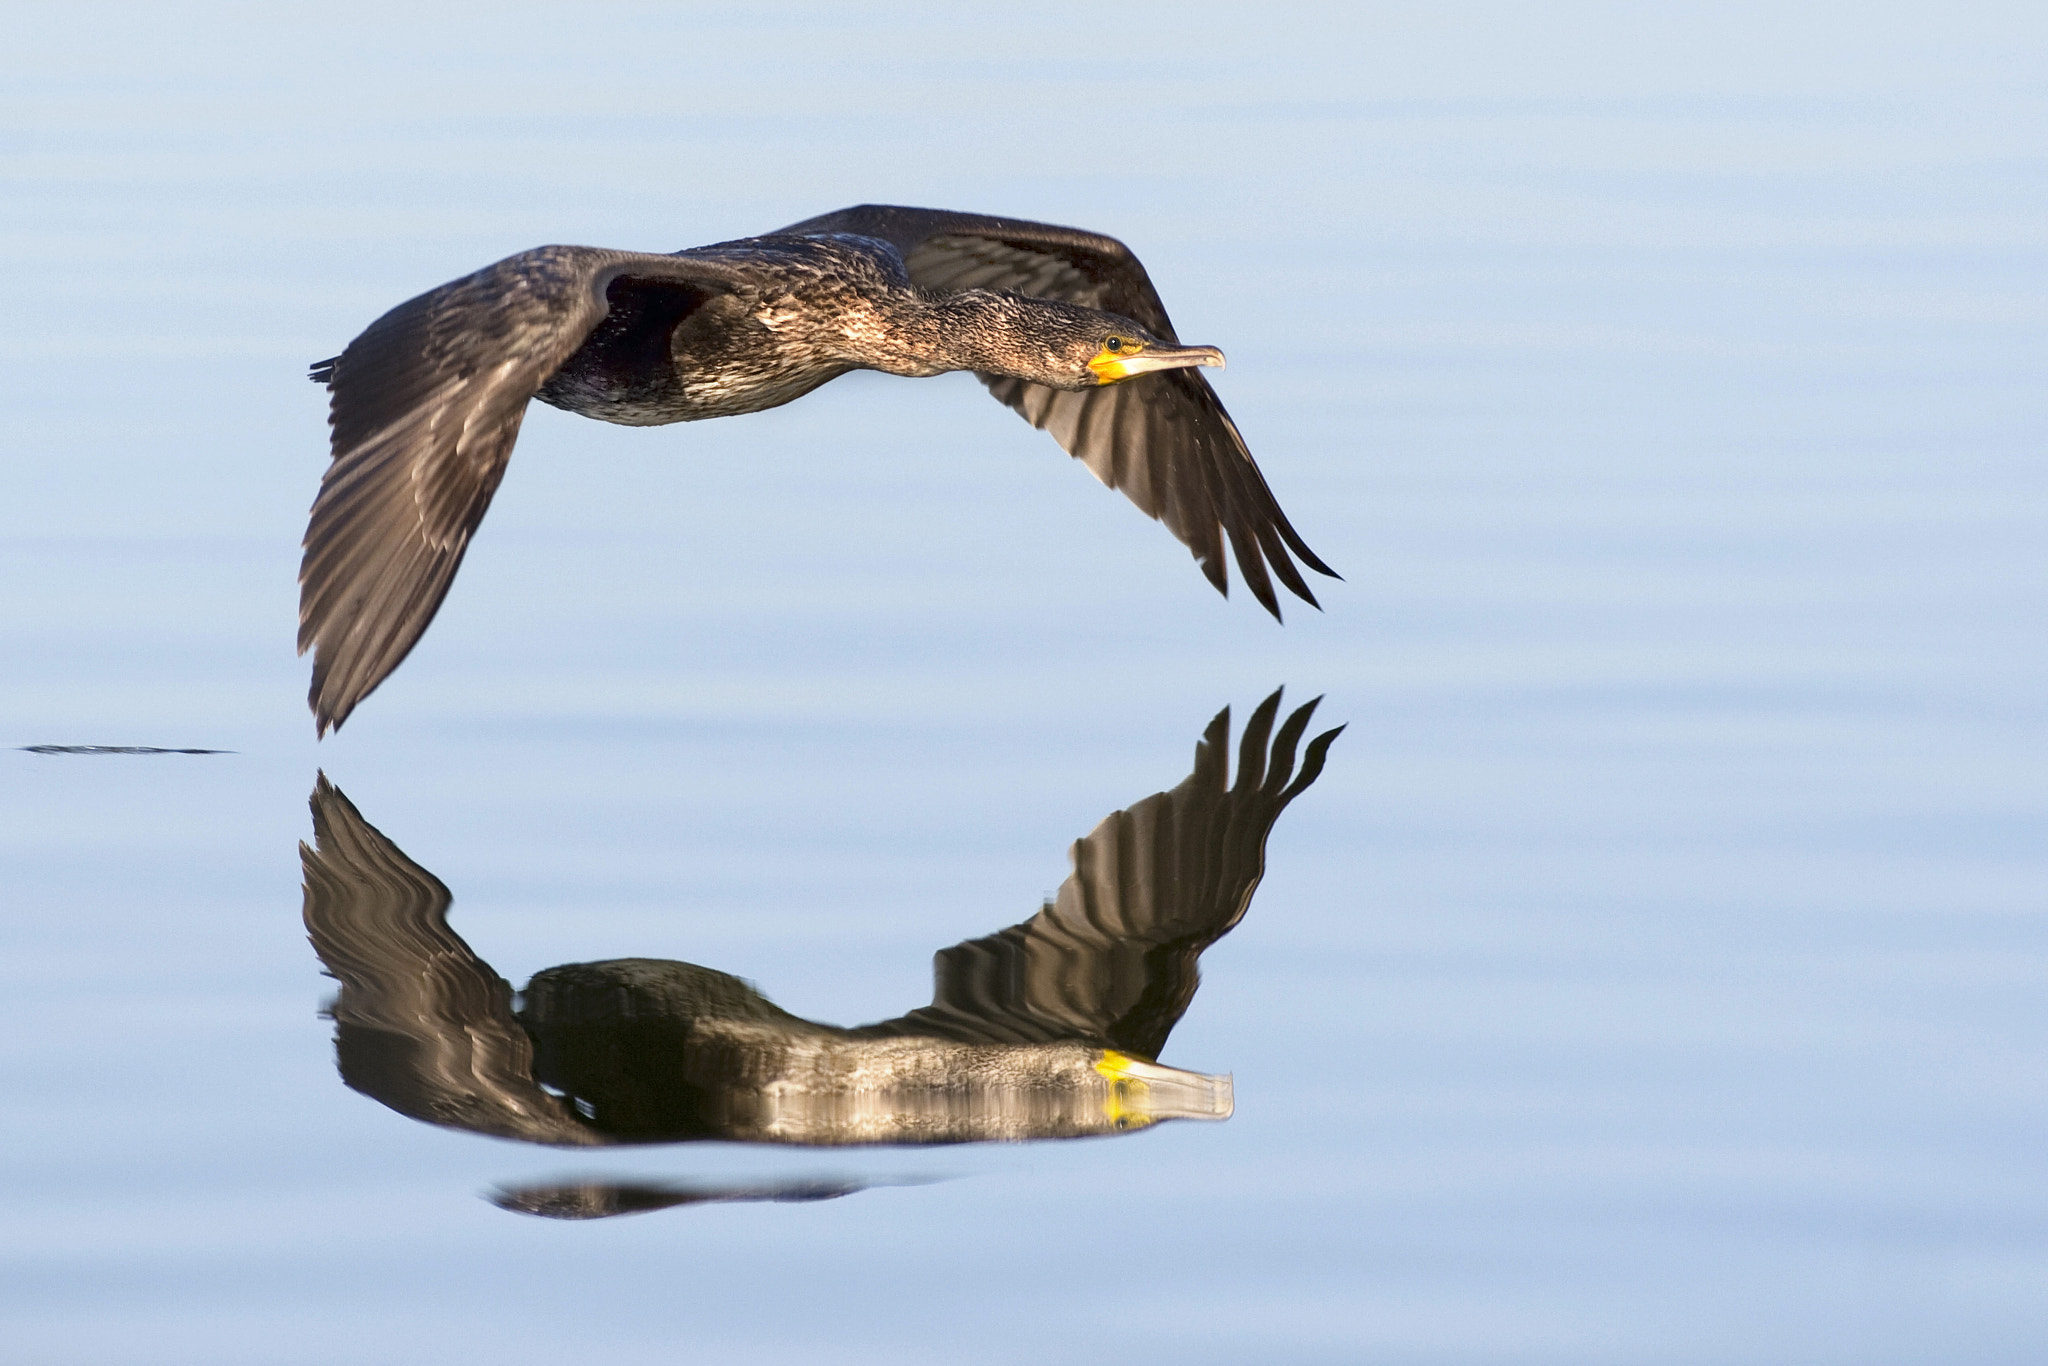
(929, 334)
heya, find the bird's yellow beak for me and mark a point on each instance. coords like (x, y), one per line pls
(1137, 358)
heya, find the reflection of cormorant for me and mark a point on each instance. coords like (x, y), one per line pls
(1043, 1030)
(1062, 325)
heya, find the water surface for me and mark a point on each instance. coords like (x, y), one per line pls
(1654, 974)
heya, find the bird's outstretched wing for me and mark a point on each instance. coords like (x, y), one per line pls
(422, 1024)
(1163, 439)
(1110, 960)
(426, 404)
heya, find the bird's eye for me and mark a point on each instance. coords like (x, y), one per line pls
(1114, 344)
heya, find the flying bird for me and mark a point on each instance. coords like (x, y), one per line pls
(1062, 325)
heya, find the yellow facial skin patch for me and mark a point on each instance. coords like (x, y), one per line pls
(1110, 366)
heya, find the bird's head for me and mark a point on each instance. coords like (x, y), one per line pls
(1126, 350)
(1066, 346)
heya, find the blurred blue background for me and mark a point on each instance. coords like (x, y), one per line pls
(1656, 975)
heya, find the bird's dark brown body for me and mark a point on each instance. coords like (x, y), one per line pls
(1062, 325)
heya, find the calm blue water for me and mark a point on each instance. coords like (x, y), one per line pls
(1658, 973)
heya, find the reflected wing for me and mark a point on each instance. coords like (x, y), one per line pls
(426, 404)
(421, 1024)
(1111, 959)
(1163, 439)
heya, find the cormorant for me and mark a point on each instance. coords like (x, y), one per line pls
(1047, 1029)
(427, 401)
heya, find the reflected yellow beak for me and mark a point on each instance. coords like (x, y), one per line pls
(1133, 359)
(1141, 1093)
